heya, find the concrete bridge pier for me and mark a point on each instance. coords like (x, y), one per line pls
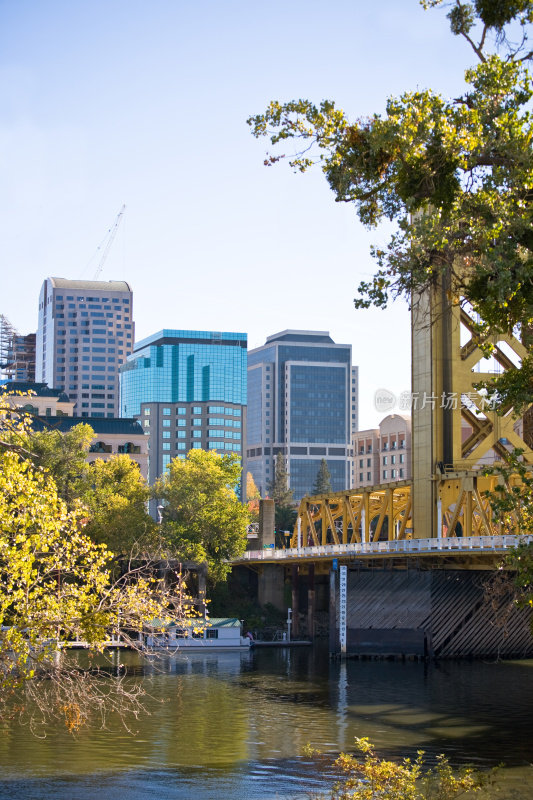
(271, 586)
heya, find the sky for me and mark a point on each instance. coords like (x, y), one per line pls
(113, 102)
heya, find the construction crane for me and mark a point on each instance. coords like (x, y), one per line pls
(110, 236)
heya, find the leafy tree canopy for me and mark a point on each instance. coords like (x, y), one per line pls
(115, 495)
(253, 497)
(252, 492)
(56, 585)
(454, 174)
(202, 517)
(63, 455)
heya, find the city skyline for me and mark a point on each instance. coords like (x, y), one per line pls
(158, 122)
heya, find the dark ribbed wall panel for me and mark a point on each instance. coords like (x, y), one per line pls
(447, 609)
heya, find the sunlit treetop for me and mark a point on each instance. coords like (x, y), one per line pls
(455, 175)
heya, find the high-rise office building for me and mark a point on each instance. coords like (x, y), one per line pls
(188, 388)
(302, 402)
(85, 333)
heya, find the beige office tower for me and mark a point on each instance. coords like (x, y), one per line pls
(85, 333)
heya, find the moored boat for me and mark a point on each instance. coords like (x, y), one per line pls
(218, 633)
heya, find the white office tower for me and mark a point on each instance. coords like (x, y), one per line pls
(85, 333)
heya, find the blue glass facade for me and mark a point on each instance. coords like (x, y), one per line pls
(175, 366)
(318, 404)
(189, 390)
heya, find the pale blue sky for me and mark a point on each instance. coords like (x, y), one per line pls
(144, 103)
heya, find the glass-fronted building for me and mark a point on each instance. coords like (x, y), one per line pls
(302, 402)
(188, 389)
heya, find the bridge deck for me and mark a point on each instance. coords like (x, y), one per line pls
(403, 547)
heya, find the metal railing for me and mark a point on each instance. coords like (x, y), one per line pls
(407, 546)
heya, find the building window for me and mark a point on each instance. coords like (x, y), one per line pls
(384, 460)
(181, 434)
(146, 423)
(166, 445)
(368, 476)
(402, 458)
(197, 422)
(182, 410)
(360, 462)
(197, 445)
(166, 434)
(361, 477)
(180, 446)
(401, 473)
(166, 411)
(181, 422)
(197, 434)
(393, 459)
(197, 410)
(166, 423)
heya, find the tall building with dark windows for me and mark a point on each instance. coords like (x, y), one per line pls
(302, 402)
(85, 333)
(188, 389)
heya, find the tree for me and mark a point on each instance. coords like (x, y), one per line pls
(202, 517)
(279, 485)
(55, 586)
(63, 455)
(115, 494)
(285, 513)
(253, 496)
(511, 502)
(454, 174)
(323, 479)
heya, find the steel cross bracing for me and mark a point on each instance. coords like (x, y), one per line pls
(383, 513)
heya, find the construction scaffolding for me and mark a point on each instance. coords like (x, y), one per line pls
(17, 353)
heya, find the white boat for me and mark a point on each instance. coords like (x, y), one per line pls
(218, 633)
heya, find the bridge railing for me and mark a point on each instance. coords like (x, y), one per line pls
(407, 546)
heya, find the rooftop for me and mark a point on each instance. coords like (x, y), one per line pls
(171, 336)
(102, 286)
(318, 337)
(98, 424)
(38, 389)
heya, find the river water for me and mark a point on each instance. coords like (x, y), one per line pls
(233, 727)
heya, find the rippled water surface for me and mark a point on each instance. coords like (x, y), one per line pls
(233, 726)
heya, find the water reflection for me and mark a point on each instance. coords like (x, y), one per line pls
(234, 725)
